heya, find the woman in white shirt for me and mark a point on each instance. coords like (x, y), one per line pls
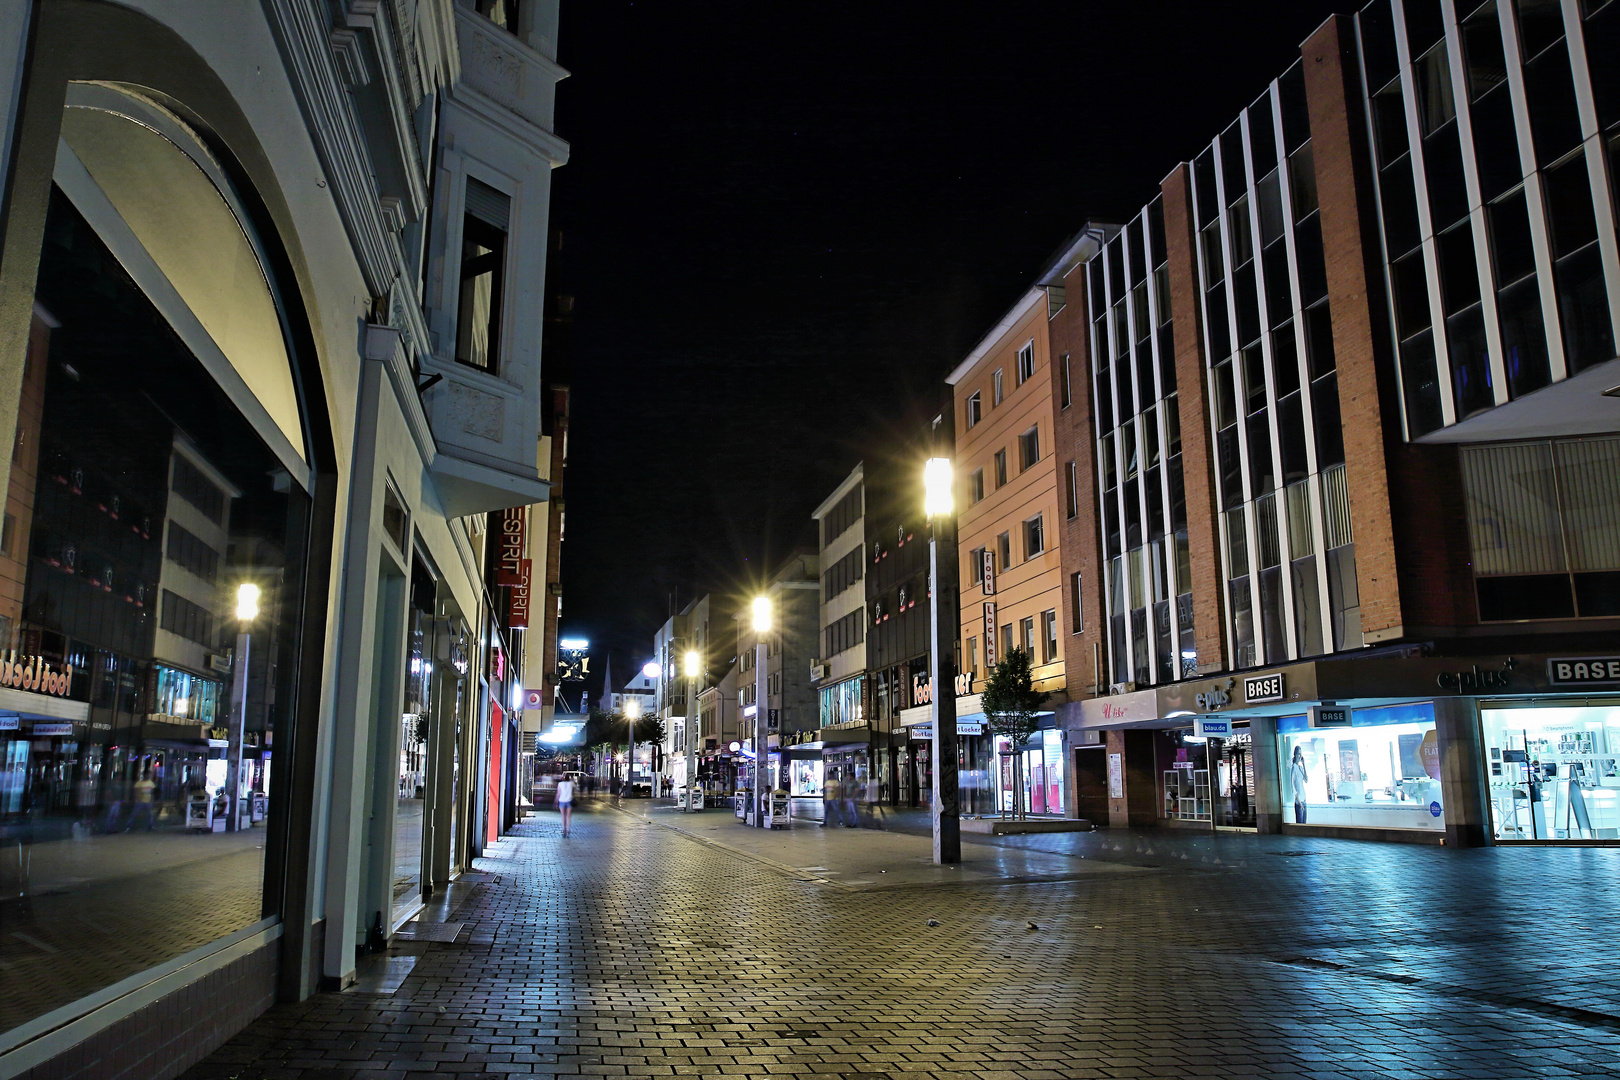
(565, 801)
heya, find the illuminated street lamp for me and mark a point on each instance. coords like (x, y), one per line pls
(247, 609)
(692, 665)
(632, 709)
(940, 507)
(762, 754)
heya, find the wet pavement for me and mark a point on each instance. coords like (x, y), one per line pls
(634, 949)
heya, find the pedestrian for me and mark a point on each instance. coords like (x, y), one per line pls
(565, 802)
(874, 799)
(830, 797)
(145, 802)
(851, 791)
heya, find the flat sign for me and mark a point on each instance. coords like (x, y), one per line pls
(987, 559)
(1210, 727)
(1330, 716)
(514, 545)
(1116, 776)
(1263, 688)
(989, 634)
(1583, 670)
(53, 729)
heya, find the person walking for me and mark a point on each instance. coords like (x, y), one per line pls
(874, 800)
(145, 802)
(830, 802)
(851, 790)
(565, 802)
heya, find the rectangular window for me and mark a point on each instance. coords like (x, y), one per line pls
(1026, 363)
(1034, 537)
(1029, 448)
(1072, 493)
(1049, 642)
(1006, 639)
(975, 409)
(995, 388)
(1001, 467)
(483, 272)
(1026, 635)
(188, 620)
(971, 663)
(976, 486)
(1077, 604)
(976, 566)
(1004, 546)
(1067, 387)
(191, 485)
(190, 552)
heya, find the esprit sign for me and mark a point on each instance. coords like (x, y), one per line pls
(512, 569)
(1583, 670)
(34, 674)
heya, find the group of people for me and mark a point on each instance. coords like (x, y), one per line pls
(840, 799)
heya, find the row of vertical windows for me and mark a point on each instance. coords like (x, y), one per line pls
(846, 633)
(845, 512)
(1483, 176)
(842, 574)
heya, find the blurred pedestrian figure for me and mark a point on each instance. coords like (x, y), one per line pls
(565, 802)
(851, 790)
(874, 799)
(831, 801)
(145, 802)
(117, 789)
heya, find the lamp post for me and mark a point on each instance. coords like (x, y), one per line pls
(762, 752)
(247, 609)
(632, 709)
(691, 662)
(652, 669)
(940, 507)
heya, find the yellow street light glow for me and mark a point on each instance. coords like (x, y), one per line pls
(937, 500)
(762, 615)
(692, 662)
(247, 601)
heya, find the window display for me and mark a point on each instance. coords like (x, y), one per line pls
(806, 782)
(1554, 772)
(1382, 772)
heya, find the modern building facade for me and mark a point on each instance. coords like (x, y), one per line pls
(839, 677)
(270, 353)
(1353, 567)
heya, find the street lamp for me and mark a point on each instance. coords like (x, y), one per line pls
(762, 753)
(632, 709)
(692, 663)
(940, 507)
(247, 609)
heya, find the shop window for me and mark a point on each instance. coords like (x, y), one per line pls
(1382, 772)
(483, 276)
(128, 437)
(1554, 772)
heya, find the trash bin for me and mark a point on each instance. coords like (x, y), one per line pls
(745, 804)
(777, 810)
(198, 818)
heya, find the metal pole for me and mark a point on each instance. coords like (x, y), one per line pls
(762, 751)
(233, 768)
(946, 811)
(691, 738)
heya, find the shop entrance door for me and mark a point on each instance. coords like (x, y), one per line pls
(1232, 769)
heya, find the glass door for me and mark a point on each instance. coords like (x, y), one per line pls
(1232, 776)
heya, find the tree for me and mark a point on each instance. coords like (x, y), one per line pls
(606, 733)
(1010, 702)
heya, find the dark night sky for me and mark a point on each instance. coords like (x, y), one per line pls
(785, 222)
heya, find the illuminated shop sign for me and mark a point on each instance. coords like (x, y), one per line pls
(1263, 688)
(1474, 680)
(32, 673)
(1583, 670)
(922, 687)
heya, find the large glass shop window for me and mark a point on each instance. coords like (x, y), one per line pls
(1554, 771)
(1382, 772)
(135, 783)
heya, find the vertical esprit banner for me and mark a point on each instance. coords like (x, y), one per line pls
(512, 569)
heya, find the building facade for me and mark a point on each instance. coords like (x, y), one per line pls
(839, 677)
(266, 564)
(1353, 455)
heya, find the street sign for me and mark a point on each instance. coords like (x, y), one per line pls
(1330, 716)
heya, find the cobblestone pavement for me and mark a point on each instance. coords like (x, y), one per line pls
(633, 950)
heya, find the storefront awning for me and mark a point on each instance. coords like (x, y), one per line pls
(44, 706)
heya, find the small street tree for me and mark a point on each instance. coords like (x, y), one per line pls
(1010, 703)
(607, 732)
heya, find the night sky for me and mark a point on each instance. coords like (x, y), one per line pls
(784, 223)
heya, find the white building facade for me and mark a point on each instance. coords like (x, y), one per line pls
(270, 318)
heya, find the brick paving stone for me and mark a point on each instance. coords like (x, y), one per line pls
(632, 950)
